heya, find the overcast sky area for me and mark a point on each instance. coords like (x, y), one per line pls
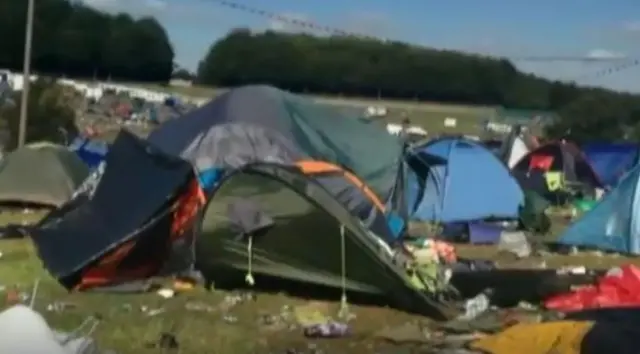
(608, 32)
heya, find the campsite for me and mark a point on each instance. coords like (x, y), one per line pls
(177, 178)
(272, 229)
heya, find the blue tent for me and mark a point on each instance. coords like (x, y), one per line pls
(611, 161)
(464, 182)
(614, 223)
(90, 151)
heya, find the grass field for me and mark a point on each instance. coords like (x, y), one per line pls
(429, 115)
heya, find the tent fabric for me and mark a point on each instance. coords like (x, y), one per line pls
(472, 184)
(137, 173)
(484, 233)
(41, 174)
(611, 161)
(561, 157)
(516, 145)
(301, 242)
(617, 289)
(613, 223)
(91, 152)
(264, 124)
(536, 338)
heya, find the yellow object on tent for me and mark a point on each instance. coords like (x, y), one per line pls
(563, 337)
(555, 181)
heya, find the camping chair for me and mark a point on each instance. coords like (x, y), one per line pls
(555, 181)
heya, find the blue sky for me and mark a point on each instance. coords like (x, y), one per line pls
(512, 28)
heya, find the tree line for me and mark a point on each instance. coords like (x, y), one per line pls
(75, 40)
(369, 68)
(71, 39)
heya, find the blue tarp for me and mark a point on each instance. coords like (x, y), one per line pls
(614, 223)
(470, 184)
(90, 151)
(611, 161)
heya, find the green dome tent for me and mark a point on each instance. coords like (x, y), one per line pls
(41, 173)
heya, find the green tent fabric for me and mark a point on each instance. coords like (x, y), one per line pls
(532, 214)
(300, 240)
(41, 173)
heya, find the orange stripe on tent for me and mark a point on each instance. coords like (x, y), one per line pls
(312, 167)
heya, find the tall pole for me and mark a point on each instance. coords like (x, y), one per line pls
(26, 74)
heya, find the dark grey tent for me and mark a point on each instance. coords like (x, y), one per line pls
(41, 173)
(254, 124)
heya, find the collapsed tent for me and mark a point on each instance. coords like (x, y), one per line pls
(262, 218)
(356, 160)
(464, 181)
(611, 224)
(611, 161)
(275, 220)
(101, 240)
(44, 174)
(555, 167)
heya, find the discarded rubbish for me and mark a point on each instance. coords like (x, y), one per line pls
(311, 314)
(327, 330)
(182, 285)
(235, 299)
(230, 319)
(572, 270)
(60, 306)
(198, 307)
(155, 312)
(166, 293)
(476, 305)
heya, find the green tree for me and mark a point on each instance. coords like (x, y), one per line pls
(74, 40)
(592, 116)
(353, 66)
(50, 116)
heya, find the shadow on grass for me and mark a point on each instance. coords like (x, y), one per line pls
(230, 279)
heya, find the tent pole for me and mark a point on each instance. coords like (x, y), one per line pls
(26, 74)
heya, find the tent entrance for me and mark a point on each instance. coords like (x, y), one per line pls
(301, 241)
